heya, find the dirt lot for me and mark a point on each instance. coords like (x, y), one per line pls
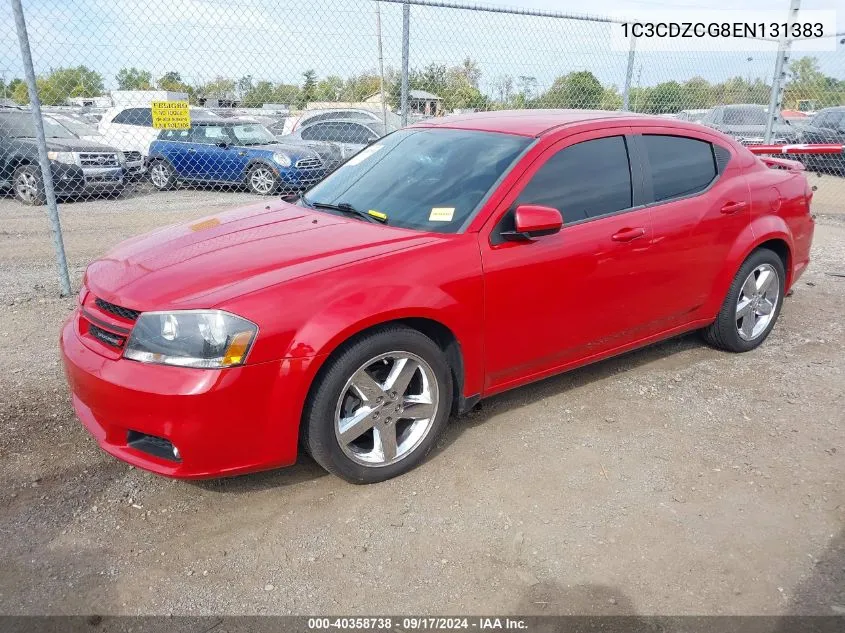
(673, 480)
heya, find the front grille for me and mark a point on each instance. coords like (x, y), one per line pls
(99, 159)
(308, 163)
(152, 445)
(123, 313)
(132, 156)
(105, 337)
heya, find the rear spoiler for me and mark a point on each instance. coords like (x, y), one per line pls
(801, 148)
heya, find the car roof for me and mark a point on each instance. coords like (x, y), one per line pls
(530, 122)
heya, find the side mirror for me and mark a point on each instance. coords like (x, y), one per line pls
(533, 220)
(222, 144)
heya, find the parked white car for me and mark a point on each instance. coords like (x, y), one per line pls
(130, 128)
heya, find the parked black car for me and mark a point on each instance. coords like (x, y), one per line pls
(746, 122)
(827, 126)
(79, 167)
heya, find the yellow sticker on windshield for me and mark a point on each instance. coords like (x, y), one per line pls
(441, 214)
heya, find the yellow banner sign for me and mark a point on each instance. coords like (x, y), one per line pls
(171, 115)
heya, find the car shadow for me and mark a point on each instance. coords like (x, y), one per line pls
(561, 383)
(305, 469)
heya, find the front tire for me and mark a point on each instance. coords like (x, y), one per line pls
(262, 180)
(378, 407)
(752, 305)
(29, 185)
(162, 175)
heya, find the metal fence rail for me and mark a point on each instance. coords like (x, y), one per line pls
(257, 74)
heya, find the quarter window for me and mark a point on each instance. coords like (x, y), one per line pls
(680, 166)
(583, 181)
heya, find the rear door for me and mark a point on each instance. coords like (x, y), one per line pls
(700, 203)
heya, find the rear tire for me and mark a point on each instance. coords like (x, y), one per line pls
(752, 305)
(28, 185)
(378, 406)
(162, 175)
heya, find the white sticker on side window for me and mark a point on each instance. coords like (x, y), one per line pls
(364, 154)
(441, 214)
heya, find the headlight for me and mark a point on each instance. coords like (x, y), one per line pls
(191, 338)
(282, 159)
(62, 157)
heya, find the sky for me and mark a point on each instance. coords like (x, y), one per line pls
(278, 39)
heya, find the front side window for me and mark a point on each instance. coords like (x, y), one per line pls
(209, 134)
(422, 178)
(583, 181)
(680, 166)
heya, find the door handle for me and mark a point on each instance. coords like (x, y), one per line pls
(627, 234)
(732, 207)
(241, 153)
(191, 150)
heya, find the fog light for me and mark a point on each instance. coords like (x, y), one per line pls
(176, 453)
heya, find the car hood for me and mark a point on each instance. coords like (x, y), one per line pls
(296, 152)
(70, 145)
(209, 261)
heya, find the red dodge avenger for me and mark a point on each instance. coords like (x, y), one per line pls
(447, 262)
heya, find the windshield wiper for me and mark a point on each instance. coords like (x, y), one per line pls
(344, 207)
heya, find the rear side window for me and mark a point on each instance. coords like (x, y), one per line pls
(135, 116)
(680, 166)
(583, 181)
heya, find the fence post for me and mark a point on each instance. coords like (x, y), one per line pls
(381, 66)
(626, 93)
(43, 160)
(406, 28)
(776, 96)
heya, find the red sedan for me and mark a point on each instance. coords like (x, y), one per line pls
(449, 261)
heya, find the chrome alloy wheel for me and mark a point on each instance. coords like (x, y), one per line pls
(159, 174)
(386, 409)
(757, 301)
(262, 180)
(26, 186)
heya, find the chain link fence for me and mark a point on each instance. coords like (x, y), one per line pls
(278, 93)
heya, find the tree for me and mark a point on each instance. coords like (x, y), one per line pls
(134, 79)
(244, 85)
(220, 87)
(470, 71)
(171, 80)
(329, 89)
(258, 95)
(578, 89)
(666, 97)
(61, 84)
(309, 85)
(359, 87)
(503, 90)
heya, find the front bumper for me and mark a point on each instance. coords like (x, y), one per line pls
(223, 422)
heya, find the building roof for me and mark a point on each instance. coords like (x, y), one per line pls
(525, 122)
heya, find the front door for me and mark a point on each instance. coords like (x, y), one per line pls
(569, 296)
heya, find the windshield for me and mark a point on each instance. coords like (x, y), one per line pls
(745, 116)
(251, 134)
(428, 179)
(20, 125)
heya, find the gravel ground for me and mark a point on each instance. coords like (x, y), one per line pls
(673, 480)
